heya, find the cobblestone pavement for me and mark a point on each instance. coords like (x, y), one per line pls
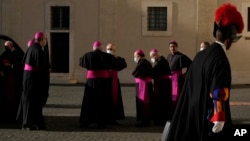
(62, 118)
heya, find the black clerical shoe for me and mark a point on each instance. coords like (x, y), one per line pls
(113, 122)
(29, 127)
(143, 124)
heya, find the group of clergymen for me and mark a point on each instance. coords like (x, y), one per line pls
(158, 84)
(200, 113)
(25, 81)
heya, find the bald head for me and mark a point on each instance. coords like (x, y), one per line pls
(154, 55)
(9, 45)
(110, 48)
(204, 45)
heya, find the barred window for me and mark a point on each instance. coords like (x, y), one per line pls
(60, 17)
(157, 18)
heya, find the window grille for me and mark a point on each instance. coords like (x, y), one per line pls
(157, 19)
(60, 17)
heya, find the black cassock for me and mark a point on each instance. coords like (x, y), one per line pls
(35, 86)
(177, 62)
(97, 98)
(144, 90)
(162, 97)
(210, 70)
(118, 112)
(11, 83)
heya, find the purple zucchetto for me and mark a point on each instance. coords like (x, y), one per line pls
(140, 52)
(38, 35)
(30, 42)
(154, 50)
(97, 44)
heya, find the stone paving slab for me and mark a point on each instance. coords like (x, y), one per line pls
(62, 118)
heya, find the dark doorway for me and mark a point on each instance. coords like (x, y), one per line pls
(59, 52)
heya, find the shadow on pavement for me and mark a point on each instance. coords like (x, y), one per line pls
(71, 124)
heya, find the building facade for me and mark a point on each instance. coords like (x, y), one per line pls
(73, 25)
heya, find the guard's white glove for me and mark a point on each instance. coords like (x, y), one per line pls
(218, 126)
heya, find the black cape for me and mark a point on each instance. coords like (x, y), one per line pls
(143, 69)
(210, 70)
(178, 61)
(97, 99)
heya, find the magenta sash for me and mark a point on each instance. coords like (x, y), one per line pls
(114, 76)
(28, 67)
(143, 89)
(175, 85)
(98, 74)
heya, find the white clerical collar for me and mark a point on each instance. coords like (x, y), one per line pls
(222, 45)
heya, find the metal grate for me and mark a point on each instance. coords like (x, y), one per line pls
(60, 17)
(157, 18)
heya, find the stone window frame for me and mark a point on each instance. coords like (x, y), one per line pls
(71, 32)
(245, 15)
(145, 5)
